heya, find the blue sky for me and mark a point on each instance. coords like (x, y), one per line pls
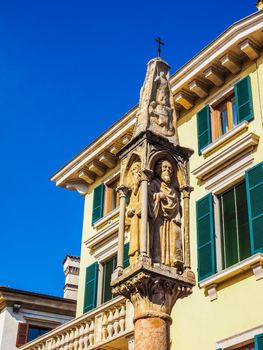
(68, 70)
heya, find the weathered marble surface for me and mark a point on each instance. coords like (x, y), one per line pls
(156, 108)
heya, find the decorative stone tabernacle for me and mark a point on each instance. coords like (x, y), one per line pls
(154, 208)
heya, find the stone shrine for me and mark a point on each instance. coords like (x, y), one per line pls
(154, 207)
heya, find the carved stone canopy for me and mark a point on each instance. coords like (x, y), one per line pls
(156, 108)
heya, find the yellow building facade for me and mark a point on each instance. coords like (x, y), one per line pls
(219, 100)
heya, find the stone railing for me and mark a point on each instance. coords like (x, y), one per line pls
(110, 324)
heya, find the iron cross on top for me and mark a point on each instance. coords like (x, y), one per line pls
(158, 40)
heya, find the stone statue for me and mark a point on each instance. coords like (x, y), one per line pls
(165, 216)
(160, 109)
(134, 209)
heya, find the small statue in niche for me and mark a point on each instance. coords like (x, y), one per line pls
(165, 216)
(134, 209)
(160, 109)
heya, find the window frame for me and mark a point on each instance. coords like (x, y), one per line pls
(218, 229)
(216, 130)
(108, 194)
(103, 264)
(208, 126)
(38, 327)
(105, 198)
(100, 278)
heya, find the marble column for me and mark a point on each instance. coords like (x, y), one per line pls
(144, 205)
(120, 256)
(186, 199)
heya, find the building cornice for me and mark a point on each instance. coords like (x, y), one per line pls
(36, 301)
(231, 36)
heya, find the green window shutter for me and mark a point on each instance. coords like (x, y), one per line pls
(258, 339)
(98, 198)
(108, 269)
(205, 237)
(243, 100)
(91, 287)
(203, 128)
(126, 261)
(254, 185)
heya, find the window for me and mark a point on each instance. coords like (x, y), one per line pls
(34, 332)
(108, 268)
(92, 283)
(241, 220)
(215, 121)
(105, 199)
(111, 196)
(27, 332)
(224, 116)
(235, 236)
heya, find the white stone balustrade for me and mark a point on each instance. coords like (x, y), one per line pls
(105, 325)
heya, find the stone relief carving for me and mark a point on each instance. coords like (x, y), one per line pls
(133, 211)
(160, 111)
(156, 109)
(165, 216)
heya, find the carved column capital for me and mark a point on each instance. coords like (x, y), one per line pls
(122, 190)
(146, 174)
(153, 294)
(186, 190)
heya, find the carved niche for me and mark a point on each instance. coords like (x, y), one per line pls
(133, 209)
(165, 213)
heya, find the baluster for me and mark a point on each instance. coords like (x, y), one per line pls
(86, 336)
(91, 333)
(122, 318)
(110, 324)
(66, 341)
(57, 343)
(61, 343)
(53, 344)
(81, 337)
(116, 321)
(76, 339)
(104, 326)
(71, 340)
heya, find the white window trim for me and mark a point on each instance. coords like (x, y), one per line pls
(210, 170)
(237, 340)
(106, 219)
(254, 263)
(218, 236)
(225, 138)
